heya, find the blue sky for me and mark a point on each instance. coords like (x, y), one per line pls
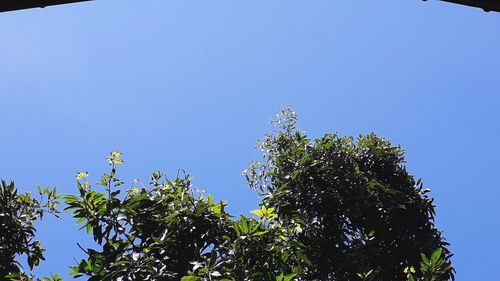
(193, 84)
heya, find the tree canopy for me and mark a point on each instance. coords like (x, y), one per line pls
(332, 208)
(18, 213)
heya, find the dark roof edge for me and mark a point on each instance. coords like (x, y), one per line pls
(487, 5)
(12, 5)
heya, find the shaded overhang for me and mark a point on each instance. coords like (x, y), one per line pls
(12, 5)
(487, 5)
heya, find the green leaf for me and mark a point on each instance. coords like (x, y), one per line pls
(89, 228)
(424, 258)
(259, 233)
(304, 258)
(217, 208)
(257, 212)
(244, 224)
(190, 278)
(436, 255)
(289, 277)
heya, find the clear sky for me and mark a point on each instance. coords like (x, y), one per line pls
(193, 84)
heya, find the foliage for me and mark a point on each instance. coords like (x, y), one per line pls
(155, 233)
(266, 249)
(360, 210)
(169, 231)
(332, 208)
(18, 213)
(431, 268)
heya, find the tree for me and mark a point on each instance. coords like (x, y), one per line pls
(156, 233)
(332, 209)
(168, 231)
(360, 210)
(18, 212)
